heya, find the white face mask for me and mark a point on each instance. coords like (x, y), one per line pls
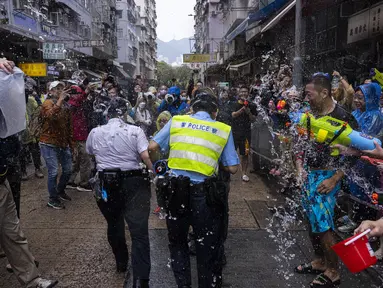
(142, 105)
(183, 98)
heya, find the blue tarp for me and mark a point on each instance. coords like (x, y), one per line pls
(256, 16)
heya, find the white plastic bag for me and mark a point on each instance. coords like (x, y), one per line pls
(12, 103)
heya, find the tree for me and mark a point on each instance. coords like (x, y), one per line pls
(165, 74)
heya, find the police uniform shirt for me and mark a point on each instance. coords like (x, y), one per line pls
(117, 145)
(229, 156)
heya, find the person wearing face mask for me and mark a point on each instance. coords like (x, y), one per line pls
(173, 103)
(134, 96)
(162, 92)
(142, 115)
(56, 142)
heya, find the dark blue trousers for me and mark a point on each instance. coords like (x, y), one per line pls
(205, 222)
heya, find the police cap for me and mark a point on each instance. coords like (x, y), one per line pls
(118, 106)
(205, 101)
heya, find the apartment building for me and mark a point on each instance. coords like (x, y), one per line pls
(73, 32)
(147, 51)
(128, 17)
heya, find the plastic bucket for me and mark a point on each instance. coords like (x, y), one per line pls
(356, 252)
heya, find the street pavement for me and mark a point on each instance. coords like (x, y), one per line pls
(71, 244)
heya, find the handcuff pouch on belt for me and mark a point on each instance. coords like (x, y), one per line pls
(110, 180)
(215, 193)
(173, 194)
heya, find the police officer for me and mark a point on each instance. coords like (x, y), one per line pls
(119, 149)
(197, 145)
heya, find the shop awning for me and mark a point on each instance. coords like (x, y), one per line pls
(94, 75)
(122, 72)
(260, 15)
(237, 66)
(266, 11)
(277, 18)
(238, 30)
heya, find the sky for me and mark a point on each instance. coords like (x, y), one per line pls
(173, 21)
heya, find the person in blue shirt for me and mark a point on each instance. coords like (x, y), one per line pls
(173, 102)
(194, 189)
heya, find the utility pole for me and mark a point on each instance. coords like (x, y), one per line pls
(298, 65)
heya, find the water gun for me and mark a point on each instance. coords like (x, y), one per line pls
(281, 105)
(333, 131)
(377, 76)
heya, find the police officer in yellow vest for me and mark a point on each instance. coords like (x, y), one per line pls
(198, 145)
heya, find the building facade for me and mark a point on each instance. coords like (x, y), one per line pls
(65, 34)
(259, 35)
(128, 17)
(147, 35)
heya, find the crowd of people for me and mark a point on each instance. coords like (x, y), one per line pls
(106, 142)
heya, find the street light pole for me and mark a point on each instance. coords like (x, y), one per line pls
(298, 65)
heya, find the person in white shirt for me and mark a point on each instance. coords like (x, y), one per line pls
(119, 149)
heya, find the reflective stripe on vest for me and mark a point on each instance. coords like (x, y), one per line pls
(196, 145)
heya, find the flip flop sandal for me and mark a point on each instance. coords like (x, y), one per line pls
(307, 269)
(325, 282)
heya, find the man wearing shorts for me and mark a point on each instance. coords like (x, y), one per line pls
(242, 117)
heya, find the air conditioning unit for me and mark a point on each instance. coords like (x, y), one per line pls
(82, 23)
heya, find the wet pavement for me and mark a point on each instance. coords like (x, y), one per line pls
(71, 244)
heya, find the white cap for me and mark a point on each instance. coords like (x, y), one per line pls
(54, 84)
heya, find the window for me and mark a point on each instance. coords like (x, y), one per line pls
(119, 14)
(120, 33)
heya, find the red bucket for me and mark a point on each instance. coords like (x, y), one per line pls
(356, 252)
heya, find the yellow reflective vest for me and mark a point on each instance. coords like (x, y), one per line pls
(196, 145)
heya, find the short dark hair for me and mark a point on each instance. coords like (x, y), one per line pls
(258, 76)
(322, 82)
(244, 87)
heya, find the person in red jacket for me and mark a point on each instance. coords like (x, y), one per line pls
(81, 160)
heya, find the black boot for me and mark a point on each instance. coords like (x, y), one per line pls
(140, 283)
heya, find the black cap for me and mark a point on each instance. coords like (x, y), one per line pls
(118, 106)
(205, 102)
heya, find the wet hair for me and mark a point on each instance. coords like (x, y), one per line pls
(322, 82)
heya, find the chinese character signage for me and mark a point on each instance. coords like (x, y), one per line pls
(34, 69)
(198, 58)
(53, 71)
(88, 43)
(365, 25)
(54, 51)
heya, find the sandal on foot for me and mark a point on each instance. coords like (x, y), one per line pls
(325, 282)
(307, 269)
